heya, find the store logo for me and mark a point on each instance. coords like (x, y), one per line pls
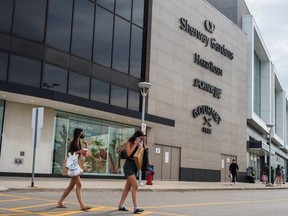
(209, 115)
(216, 92)
(207, 121)
(209, 26)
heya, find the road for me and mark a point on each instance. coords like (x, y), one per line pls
(192, 203)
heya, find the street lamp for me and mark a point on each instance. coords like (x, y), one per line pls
(270, 126)
(144, 89)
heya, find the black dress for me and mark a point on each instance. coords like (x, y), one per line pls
(130, 166)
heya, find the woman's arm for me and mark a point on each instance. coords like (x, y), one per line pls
(131, 147)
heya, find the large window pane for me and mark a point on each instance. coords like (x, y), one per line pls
(82, 33)
(24, 71)
(1, 120)
(55, 78)
(103, 138)
(133, 100)
(138, 12)
(100, 91)
(78, 85)
(123, 8)
(121, 45)
(59, 24)
(6, 8)
(60, 144)
(3, 65)
(29, 19)
(118, 96)
(103, 37)
(108, 4)
(257, 85)
(136, 52)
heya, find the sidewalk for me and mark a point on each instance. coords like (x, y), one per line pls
(24, 183)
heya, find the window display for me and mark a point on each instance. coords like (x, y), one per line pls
(103, 138)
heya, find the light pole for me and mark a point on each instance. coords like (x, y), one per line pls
(144, 89)
(270, 126)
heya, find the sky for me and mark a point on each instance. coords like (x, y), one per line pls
(271, 17)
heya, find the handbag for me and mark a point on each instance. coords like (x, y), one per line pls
(138, 157)
(72, 165)
(123, 154)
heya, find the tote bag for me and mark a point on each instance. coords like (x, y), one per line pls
(72, 165)
(138, 157)
(65, 169)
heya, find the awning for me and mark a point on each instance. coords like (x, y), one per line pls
(259, 148)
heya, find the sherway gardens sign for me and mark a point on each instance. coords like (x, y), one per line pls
(208, 112)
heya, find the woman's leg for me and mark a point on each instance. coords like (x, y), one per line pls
(78, 191)
(133, 182)
(279, 180)
(125, 193)
(66, 192)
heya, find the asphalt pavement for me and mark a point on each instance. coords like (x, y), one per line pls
(49, 183)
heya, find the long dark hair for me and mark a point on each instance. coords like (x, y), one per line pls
(73, 147)
(137, 133)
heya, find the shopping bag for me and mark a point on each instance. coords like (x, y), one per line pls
(72, 163)
(65, 169)
(138, 157)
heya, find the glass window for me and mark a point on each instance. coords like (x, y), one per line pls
(138, 12)
(24, 71)
(59, 24)
(123, 8)
(100, 91)
(55, 78)
(6, 8)
(118, 96)
(133, 100)
(82, 33)
(103, 37)
(136, 52)
(2, 103)
(257, 85)
(60, 144)
(29, 19)
(121, 45)
(108, 4)
(103, 138)
(78, 85)
(3, 65)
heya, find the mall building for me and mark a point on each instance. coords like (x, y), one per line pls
(214, 87)
(266, 98)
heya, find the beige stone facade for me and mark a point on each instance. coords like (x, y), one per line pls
(172, 73)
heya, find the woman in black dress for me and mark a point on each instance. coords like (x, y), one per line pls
(130, 170)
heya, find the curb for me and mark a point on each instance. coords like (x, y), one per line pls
(39, 189)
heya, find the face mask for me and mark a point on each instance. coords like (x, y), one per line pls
(82, 136)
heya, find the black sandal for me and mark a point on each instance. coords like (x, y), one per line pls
(138, 210)
(123, 208)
